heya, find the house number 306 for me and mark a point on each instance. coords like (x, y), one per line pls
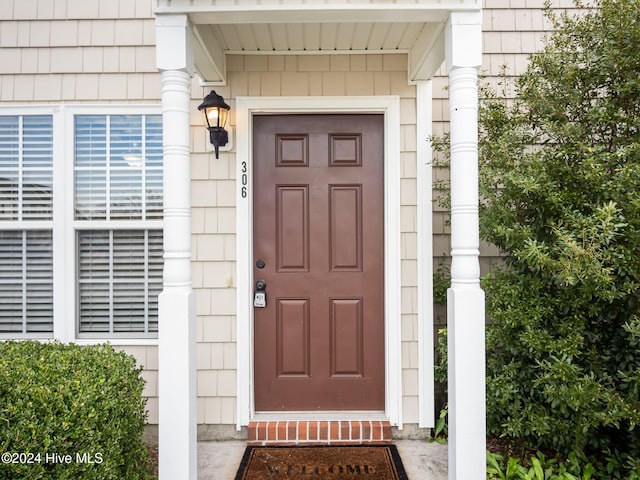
(244, 180)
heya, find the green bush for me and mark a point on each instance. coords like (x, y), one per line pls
(538, 468)
(70, 412)
(560, 169)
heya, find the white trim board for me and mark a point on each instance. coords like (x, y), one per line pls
(424, 130)
(389, 106)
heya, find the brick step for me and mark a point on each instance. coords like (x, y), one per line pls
(319, 432)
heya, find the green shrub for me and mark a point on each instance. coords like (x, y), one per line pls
(441, 367)
(538, 468)
(70, 412)
(559, 179)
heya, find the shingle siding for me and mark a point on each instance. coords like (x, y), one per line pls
(213, 196)
(512, 30)
(78, 50)
(102, 51)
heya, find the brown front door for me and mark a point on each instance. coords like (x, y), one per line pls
(318, 215)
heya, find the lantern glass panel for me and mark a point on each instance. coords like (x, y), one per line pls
(215, 117)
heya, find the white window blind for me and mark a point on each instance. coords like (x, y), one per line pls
(118, 178)
(26, 195)
(26, 167)
(118, 167)
(26, 282)
(119, 280)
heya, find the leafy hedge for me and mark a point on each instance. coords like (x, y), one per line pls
(559, 171)
(69, 412)
(559, 183)
(538, 468)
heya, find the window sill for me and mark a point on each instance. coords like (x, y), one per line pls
(117, 342)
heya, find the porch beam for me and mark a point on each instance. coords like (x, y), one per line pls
(465, 299)
(316, 13)
(176, 304)
(427, 54)
(209, 56)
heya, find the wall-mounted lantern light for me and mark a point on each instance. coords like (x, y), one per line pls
(215, 114)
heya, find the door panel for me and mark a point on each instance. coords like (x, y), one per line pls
(318, 225)
(345, 223)
(292, 236)
(293, 337)
(346, 337)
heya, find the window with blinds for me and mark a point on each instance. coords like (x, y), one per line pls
(118, 181)
(26, 213)
(119, 280)
(26, 168)
(118, 167)
(26, 282)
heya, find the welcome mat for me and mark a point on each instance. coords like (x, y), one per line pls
(365, 462)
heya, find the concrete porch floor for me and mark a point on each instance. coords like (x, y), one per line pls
(219, 460)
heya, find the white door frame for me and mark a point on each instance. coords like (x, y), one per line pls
(245, 107)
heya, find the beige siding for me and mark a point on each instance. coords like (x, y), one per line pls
(82, 51)
(213, 196)
(102, 51)
(78, 51)
(147, 357)
(512, 30)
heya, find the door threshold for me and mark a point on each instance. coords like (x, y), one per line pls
(319, 416)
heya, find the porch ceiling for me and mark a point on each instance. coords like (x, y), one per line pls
(312, 37)
(416, 29)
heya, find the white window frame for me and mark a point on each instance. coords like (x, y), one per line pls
(22, 225)
(73, 226)
(64, 226)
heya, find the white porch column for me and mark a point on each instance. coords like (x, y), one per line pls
(465, 300)
(177, 331)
